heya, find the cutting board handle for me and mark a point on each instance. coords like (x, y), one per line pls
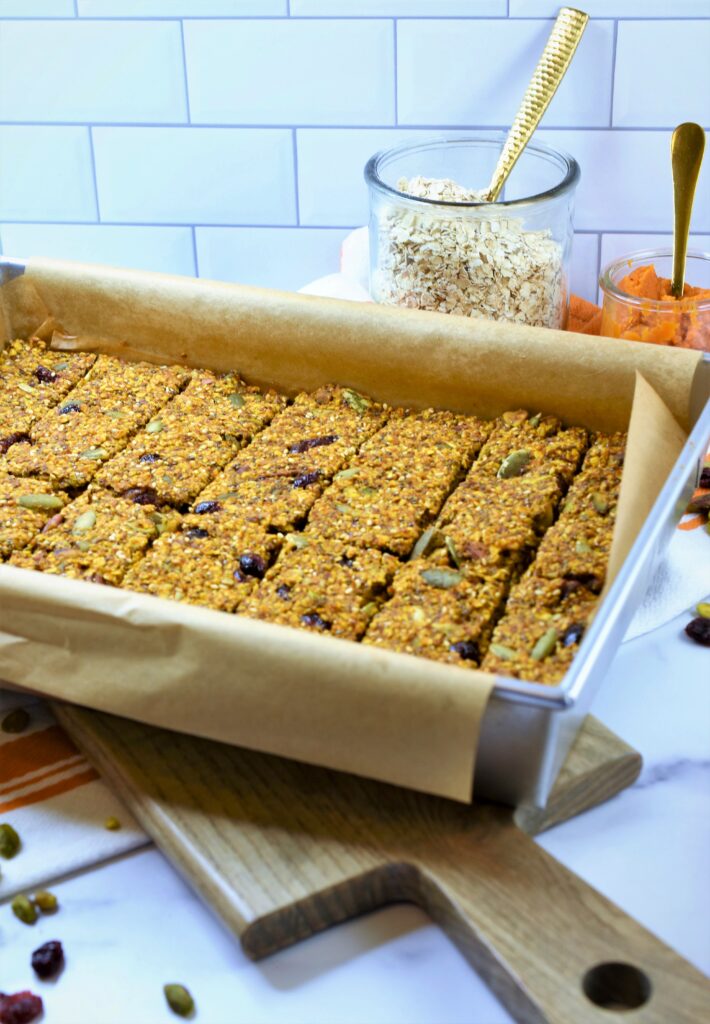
(552, 949)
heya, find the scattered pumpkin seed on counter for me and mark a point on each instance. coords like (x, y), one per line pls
(10, 842)
(15, 721)
(179, 999)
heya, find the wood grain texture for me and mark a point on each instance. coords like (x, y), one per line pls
(283, 850)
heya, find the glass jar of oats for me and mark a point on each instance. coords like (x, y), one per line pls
(434, 244)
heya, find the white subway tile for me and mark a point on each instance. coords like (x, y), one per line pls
(614, 246)
(36, 8)
(91, 71)
(626, 180)
(284, 258)
(400, 8)
(475, 72)
(45, 173)
(682, 48)
(291, 71)
(180, 8)
(143, 248)
(195, 175)
(583, 271)
(613, 8)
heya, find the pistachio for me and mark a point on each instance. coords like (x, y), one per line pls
(501, 651)
(179, 999)
(236, 400)
(16, 721)
(453, 553)
(702, 609)
(40, 501)
(430, 539)
(24, 909)
(545, 645)
(600, 503)
(94, 453)
(85, 521)
(347, 474)
(514, 464)
(154, 427)
(443, 579)
(112, 824)
(582, 548)
(9, 841)
(27, 388)
(46, 901)
(356, 401)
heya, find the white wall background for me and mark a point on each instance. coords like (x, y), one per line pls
(227, 137)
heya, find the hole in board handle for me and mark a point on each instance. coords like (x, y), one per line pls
(616, 986)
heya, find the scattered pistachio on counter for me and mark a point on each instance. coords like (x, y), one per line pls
(179, 999)
(45, 901)
(23, 909)
(10, 842)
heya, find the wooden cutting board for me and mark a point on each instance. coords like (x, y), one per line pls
(282, 850)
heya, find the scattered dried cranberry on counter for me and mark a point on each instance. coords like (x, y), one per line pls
(20, 1008)
(207, 506)
(314, 619)
(312, 442)
(252, 565)
(46, 376)
(466, 649)
(306, 479)
(17, 438)
(48, 959)
(699, 630)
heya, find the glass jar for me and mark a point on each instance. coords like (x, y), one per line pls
(631, 310)
(443, 249)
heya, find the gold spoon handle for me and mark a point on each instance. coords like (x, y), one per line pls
(556, 57)
(687, 147)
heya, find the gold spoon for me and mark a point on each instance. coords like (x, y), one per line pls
(556, 58)
(687, 147)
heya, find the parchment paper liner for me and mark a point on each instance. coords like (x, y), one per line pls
(317, 699)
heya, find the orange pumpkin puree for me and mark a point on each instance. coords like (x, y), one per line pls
(680, 322)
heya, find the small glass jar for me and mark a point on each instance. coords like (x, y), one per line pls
(684, 323)
(507, 260)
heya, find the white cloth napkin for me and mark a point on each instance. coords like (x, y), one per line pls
(682, 578)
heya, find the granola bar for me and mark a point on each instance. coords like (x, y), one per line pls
(520, 445)
(189, 441)
(98, 537)
(95, 420)
(26, 506)
(323, 585)
(191, 566)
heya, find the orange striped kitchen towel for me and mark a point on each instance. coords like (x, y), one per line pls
(55, 801)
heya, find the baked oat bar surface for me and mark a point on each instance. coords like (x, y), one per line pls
(26, 506)
(324, 586)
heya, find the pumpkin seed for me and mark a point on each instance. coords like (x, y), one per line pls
(545, 645)
(534, 421)
(582, 548)
(702, 609)
(9, 841)
(27, 388)
(161, 523)
(453, 553)
(236, 400)
(16, 721)
(356, 401)
(345, 509)
(514, 464)
(600, 503)
(82, 545)
(46, 901)
(501, 651)
(23, 909)
(40, 501)
(430, 539)
(347, 474)
(154, 427)
(179, 1000)
(297, 539)
(443, 579)
(370, 608)
(85, 521)
(94, 453)
(116, 414)
(64, 365)
(369, 491)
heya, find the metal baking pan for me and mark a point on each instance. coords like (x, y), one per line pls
(528, 728)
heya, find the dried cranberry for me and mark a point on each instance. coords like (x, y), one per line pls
(466, 649)
(312, 442)
(44, 375)
(582, 579)
(284, 591)
(474, 550)
(306, 479)
(699, 630)
(700, 504)
(347, 561)
(197, 532)
(573, 634)
(48, 959)
(314, 619)
(207, 506)
(150, 457)
(252, 565)
(17, 438)
(142, 495)
(704, 477)
(20, 1008)
(69, 407)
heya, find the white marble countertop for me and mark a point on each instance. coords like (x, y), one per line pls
(131, 925)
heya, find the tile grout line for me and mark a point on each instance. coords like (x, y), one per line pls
(93, 174)
(194, 250)
(395, 30)
(294, 143)
(613, 72)
(230, 226)
(184, 71)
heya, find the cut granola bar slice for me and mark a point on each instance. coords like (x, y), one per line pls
(26, 506)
